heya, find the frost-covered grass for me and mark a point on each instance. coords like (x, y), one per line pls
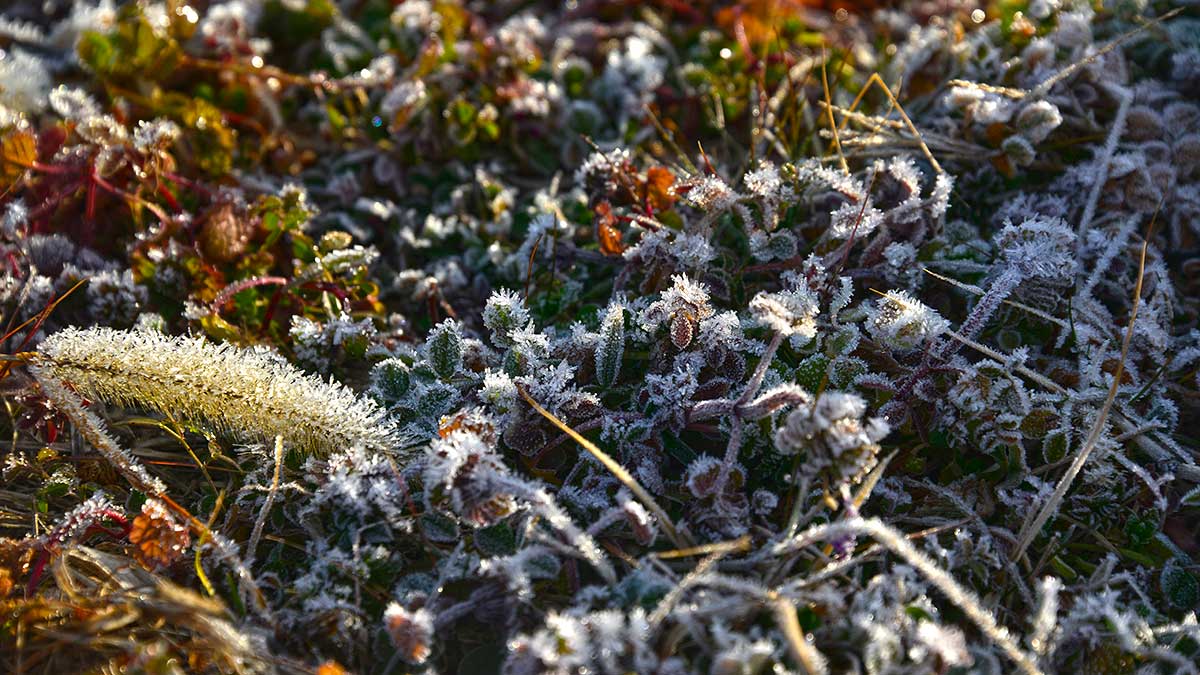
(651, 337)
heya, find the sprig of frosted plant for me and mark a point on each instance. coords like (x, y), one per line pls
(1037, 249)
(89, 425)
(247, 392)
(462, 467)
(93, 429)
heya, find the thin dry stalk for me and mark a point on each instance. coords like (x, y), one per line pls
(877, 80)
(899, 545)
(1033, 527)
(806, 655)
(261, 521)
(617, 470)
(833, 127)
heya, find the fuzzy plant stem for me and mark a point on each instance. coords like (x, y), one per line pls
(898, 545)
(760, 372)
(261, 521)
(1001, 287)
(735, 433)
(1047, 615)
(672, 598)
(226, 388)
(544, 505)
(92, 429)
(1100, 176)
(989, 302)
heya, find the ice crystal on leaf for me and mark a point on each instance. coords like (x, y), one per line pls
(903, 322)
(791, 313)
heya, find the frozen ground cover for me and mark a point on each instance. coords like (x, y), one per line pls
(457, 336)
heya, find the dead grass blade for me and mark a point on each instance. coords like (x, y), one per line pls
(617, 470)
(806, 655)
(1060, 491)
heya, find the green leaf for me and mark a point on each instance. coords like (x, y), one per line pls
(1179, 586)
(439, 528)
(445, 348)
(497, 540)
(611, 346)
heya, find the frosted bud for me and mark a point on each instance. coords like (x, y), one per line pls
(611, 346)
(505, 312)
(1037, 120)
(445, 348)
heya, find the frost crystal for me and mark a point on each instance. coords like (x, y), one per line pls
(900, 321)
(790, 312)
(833, 435)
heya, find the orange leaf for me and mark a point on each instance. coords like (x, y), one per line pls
(330, 668)
(659, 180)
(607, 232)
(477, 424)
(158, 538)
(1003, 165)
(996, 133)
(759, 20)
(18, 151)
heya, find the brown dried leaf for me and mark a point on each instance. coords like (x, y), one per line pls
(158, 538)
(657, 189)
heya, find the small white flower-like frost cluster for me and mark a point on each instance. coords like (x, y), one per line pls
(835, 438)
(900, 321)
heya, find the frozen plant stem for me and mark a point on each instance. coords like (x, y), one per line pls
(261, 521)
(761, 371)
(989, 302)
(735, 432)
(1100, 176)
(92, 429)
(558, 519)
